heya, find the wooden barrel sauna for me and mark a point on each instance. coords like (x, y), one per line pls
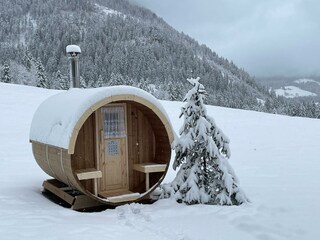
(113, 144)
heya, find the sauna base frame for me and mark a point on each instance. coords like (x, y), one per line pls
(73, 199)
(76, 200)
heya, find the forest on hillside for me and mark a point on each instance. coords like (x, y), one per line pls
(122, 44)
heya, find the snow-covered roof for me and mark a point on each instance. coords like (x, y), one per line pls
(57, 119)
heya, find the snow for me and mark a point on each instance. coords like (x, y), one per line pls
(292, 92)
(55, 119)
(73, 49)
(108, 11)
(275, 157)
(261, 101)
(306, 80)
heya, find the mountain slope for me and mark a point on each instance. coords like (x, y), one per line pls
(118, 40)
(309, 84)
(122, 44)
(293, 91)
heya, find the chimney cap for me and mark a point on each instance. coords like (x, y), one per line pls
(73, 49)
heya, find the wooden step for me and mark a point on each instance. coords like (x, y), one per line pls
(76, 201)
(113, 193)
(55, 186)
(119, 195)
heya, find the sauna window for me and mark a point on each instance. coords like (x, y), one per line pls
(114, 122)
(113, 148)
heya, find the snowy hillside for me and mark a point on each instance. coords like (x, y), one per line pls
(275, 157)
(306, 80)
(292, 92)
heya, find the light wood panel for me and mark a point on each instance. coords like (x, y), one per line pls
(39, 153)
(147, 142)
(113, 193)
(113, 162)
(114, 168)
(150, 167)
(89, 173)
(85, 151)
(141, 144)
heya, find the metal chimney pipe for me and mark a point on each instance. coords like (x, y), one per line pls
(74, 51)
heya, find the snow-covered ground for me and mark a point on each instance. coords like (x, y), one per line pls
(306, 80)
(275, 157)
(292, 92)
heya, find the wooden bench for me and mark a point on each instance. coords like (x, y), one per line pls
(149, 168)
(89, 173)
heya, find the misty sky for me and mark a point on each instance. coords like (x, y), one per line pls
(265, 37)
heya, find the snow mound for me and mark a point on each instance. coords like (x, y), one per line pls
(292, 92)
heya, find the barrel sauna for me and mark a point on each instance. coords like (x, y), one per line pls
(112, 144)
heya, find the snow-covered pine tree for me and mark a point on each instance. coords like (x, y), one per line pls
(116, 79)
(175, 91)
(202, 153)
(6, 76)
(42, 78)
(144, 84)
(91, 83)
(83, 83)
(27, 60)
(129, 82)
(171, 91)
(63, 82)
(100, 81)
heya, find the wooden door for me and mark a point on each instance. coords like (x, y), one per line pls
(113, 160)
